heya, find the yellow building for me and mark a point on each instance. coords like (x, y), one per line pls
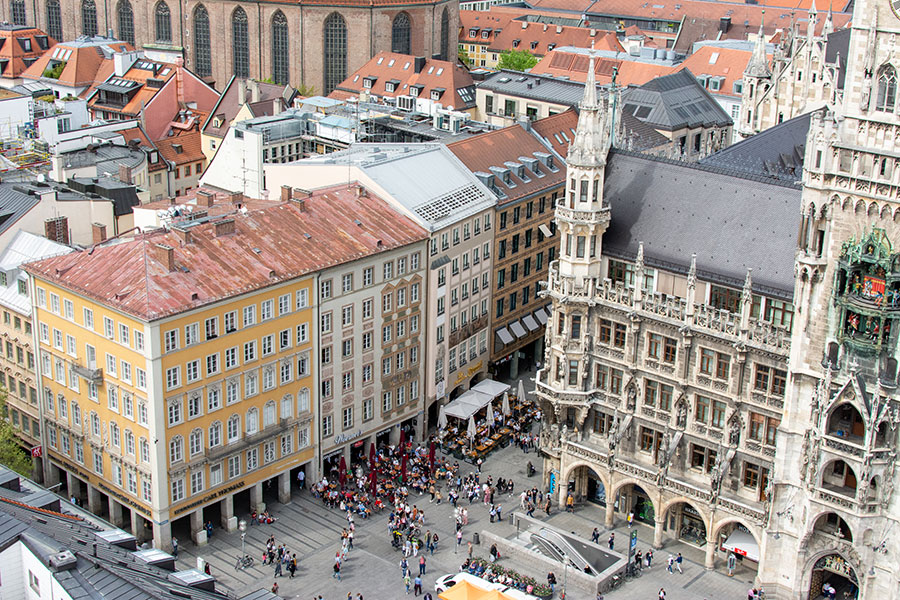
(178, 375)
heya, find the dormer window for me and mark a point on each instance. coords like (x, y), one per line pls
(485, 34)
(473, 33)
(414, 92)
(436, 93)
(368, 82)
(516, 43)
(4, 280)
(551, 46)
(23, 287)
(534, 45)
(389, 87)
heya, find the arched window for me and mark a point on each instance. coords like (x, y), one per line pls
(303, 401)
(195, 442)
(54, 20)
(234, 428)
(252, 421)
(287, 407)
(163, 22)
(88, 18)
(887, 89)
(240, 42)
(280, 48)
(445, 36)
(202, 52)
(400, 33)
(215, 434)
(176, 449)
(335, 51)
(126, 21)
(17, 11)
(269, 414)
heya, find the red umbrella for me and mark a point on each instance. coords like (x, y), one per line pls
(342, 471)
(374, 477)
(402, 440)
(403, 467)
(431, 458)
(372, 457)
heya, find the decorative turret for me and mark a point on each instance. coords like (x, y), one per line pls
(759, 65)
(828, 26)
(812, 21)
(592, 136)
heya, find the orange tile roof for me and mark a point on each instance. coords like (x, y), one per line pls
(267, 247)
(222, 202)
(559, 63)
(563, 122)
(400, 68)
(14, 58)
(578, 6)
(721, 62)
(493, 148)
(139, 74)
(182, 148)
(85, 64)
(480, 21)
(540, 38)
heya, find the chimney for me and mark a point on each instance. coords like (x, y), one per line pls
(165, 255)
(122, 61)
(205, 198)
(237, 198)
(242, 91)
(57, 229)
(183, 234)
(98, 232)
(276, 107)
(224, 227)
(544, 29)
(254, 90)
(593, 33)
(361, 191)
(724, 24)
(179, 80)
(419, 64)
(285, 193)
(559, 29)
(125, 173)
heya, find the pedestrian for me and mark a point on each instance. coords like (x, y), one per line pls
(275, 588)
(493, 513)
(422, 565)
(175, 547)
(612, 541)
(649, 557)
(570, 503)
(595, 536)
(500, 512)
(478, 464)
(732, 563)
(662, 594)
(551, 581)
(630, 519)
(406, 582)
(458, 541)
(206, 569)
(678, 560)
(469, 552)
(404, 566)
(434, 542)
(337, 570)
(670, 562)
(417, 586)
(293, 565)
(278, 568)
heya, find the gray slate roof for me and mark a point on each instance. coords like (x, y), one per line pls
(677, 209)
(776, 152)
(675, 101)
(837, 48)
(14, 204)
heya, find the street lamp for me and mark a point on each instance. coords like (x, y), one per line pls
(242, 525)
(565, 575)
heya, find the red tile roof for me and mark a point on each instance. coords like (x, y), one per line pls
(228, 105)
(14, 57)
(559, 63)
(719, 62)
(140, 72)
(266, 247)
(494, 148)
(540, 38)
(549, 128)
(183, 148)
(400, 69)
(85, 65)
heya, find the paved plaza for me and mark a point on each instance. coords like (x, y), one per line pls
(372, 567)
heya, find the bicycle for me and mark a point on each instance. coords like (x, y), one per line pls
(243, 562)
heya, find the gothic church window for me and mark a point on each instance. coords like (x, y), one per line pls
(54, 19)
(445, 35)
(887, 89)
(335, 51)
(163, 22)
(240, 42)
(89, 18)
(280, 48)
(17, 12)
(400, 34)
(202, 53)
(126, 21)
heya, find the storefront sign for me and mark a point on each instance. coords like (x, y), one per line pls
(36, 452)
(358, 444)
(124, 499)
(441, 388)
(346, 437)
(209, 497)
(689, 510)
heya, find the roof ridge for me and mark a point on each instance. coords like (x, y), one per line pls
(46, 511)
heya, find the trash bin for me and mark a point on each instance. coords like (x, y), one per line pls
(201, 564)
(475, 538)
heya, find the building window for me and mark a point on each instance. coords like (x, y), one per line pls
(17, 10)
(54, 20)
(335, 51)
(445, 35)
(126, 21)
(240, 42)
(202, 51)
(88, 18)
(400, 34)
(163, 22)
(887, 89)
(280, 49)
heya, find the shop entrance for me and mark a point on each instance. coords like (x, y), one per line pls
(633, 498)
(686, 523)
(585, 484)
(832, 571)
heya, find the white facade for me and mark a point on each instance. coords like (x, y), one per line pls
(25, 576)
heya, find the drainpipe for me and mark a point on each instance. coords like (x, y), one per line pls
(259, 39)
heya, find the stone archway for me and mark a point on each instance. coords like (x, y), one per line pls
(685, 521)
(726, 544)
(833, 569)
(630, 496)
(586, 482)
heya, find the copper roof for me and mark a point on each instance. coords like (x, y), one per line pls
(264, 247)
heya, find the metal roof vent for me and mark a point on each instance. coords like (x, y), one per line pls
(62, 561)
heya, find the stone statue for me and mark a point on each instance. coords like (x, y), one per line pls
(662, 459)
(681, 418)
(804, 456)
(631, 400)
(564, 434)
(613, 434)
(734, 433)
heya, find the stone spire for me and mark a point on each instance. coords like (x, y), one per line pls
(759, 64)
(828, 26)
(591, 142)
(812, 21)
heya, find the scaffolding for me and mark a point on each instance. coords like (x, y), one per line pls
(21, 147)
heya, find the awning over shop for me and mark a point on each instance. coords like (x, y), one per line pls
(517, 329)
(491, 388)
(503, 334)
(467, 404)
(742, 543)
(542, 314)
(530, 323)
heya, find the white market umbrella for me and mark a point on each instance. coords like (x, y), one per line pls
(472, 431)
(505, 406)
(490, 414)
(442, 419)
(521, 391)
